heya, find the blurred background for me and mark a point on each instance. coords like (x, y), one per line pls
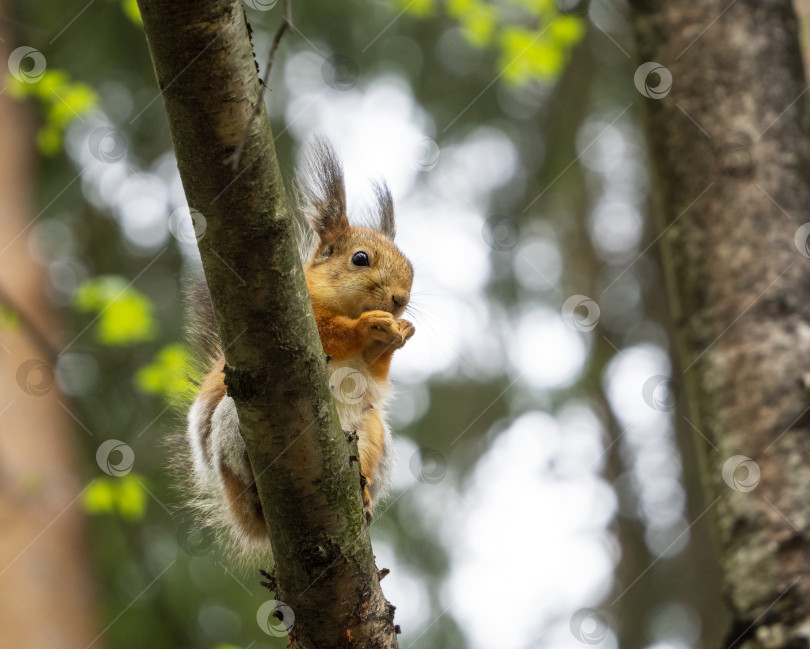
(546, 492)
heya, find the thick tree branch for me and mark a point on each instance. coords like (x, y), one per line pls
(730, 143)
(276, 371)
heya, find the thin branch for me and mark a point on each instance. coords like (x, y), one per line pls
(286, 23)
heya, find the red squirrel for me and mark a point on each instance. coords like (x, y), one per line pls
(360, 284)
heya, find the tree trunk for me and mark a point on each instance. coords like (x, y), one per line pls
(46, 593)
(276, 369)
(729, 144)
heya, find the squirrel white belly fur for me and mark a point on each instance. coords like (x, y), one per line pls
(359, 284)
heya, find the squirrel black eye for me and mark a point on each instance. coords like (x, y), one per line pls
(360, 259)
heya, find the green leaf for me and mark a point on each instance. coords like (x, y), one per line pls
(9, 319)
(131, 11)
(567, 30)
(100, 497)
(168, 374)
(418, 8)
(62, 102)
(125, 314)
(131, 498)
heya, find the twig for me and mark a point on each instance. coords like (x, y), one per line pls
(286, 23)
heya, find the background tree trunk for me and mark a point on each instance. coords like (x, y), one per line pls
(45, 584)
(276, 369)
(730, 147)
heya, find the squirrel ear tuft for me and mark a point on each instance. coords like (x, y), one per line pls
(324, 192)
(385, 208)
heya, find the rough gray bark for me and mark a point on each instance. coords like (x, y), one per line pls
(276, 370)
(730, 147)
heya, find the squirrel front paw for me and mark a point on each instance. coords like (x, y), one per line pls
(406, 331)
(384, 328)
(381, 326)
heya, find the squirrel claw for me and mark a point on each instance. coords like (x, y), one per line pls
(270, 584)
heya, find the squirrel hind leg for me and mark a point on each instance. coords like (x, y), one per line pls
(243, 504)
(239, 496)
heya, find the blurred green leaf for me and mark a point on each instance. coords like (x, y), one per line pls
(125, 314)
(99, 497)
(62, 102)
(418, 8)
(168, 374)
(533, 42)
(9, 319)
(131, 500)
(125, 495)
(131, 11)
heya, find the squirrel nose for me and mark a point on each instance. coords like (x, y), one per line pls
(400, 299)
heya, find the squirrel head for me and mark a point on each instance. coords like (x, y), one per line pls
(352, 268)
